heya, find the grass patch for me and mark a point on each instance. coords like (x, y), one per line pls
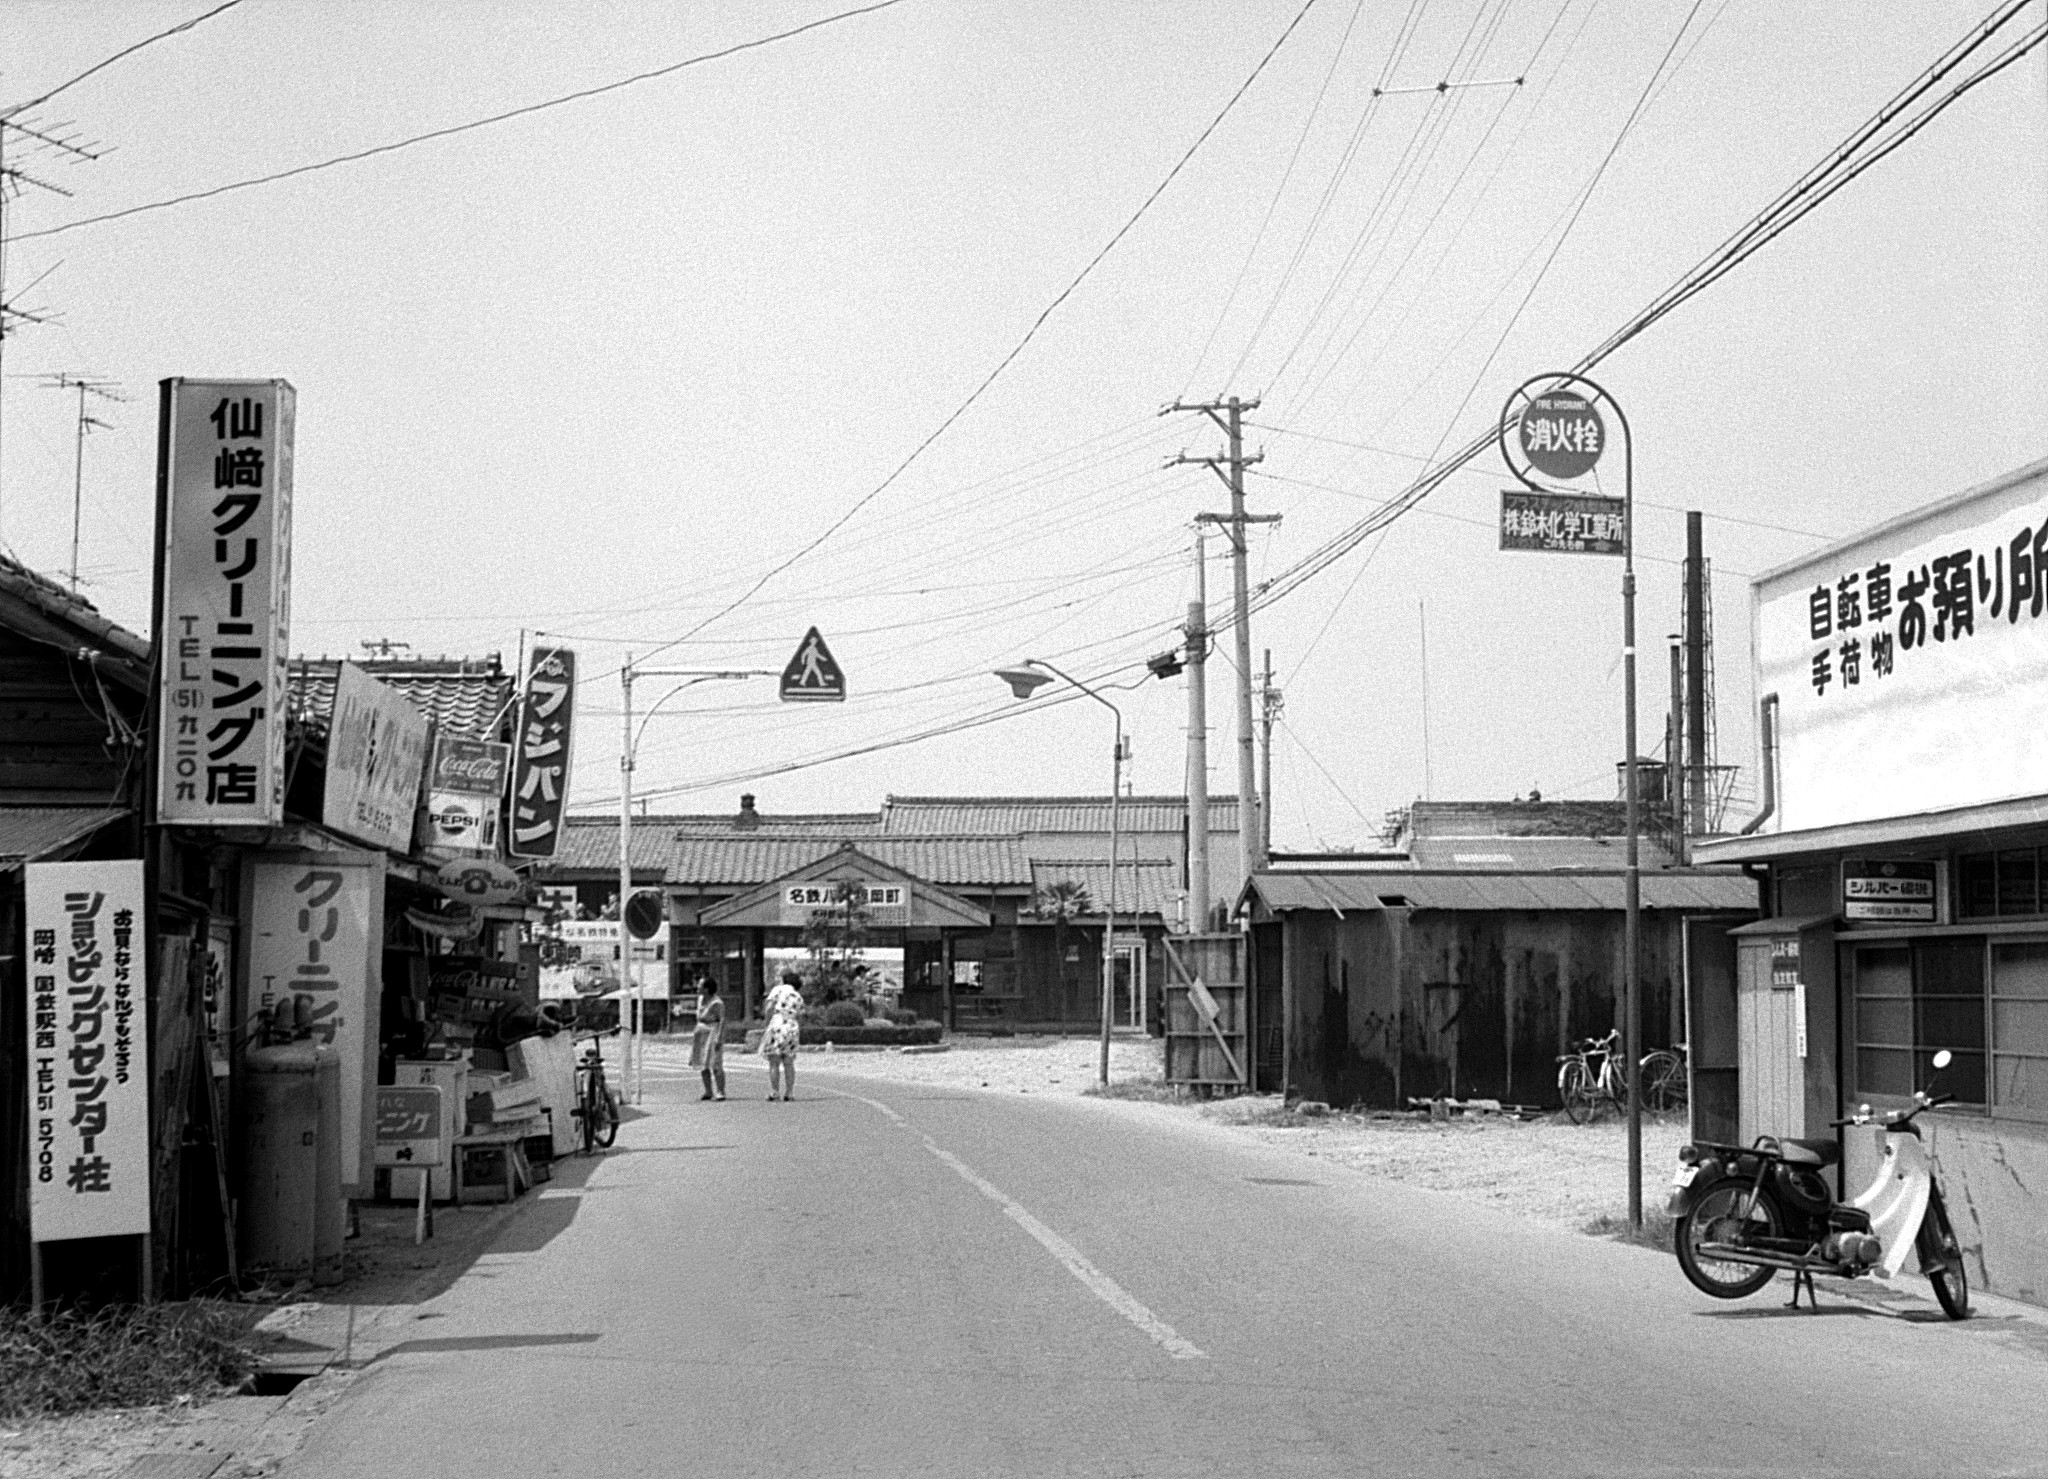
(122, 1356)
(1148, 1090)
(1654, 1233)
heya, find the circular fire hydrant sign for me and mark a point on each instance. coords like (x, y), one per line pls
(1562, 435)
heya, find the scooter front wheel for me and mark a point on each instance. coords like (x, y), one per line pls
(1717, 1217)
(1941, 1259)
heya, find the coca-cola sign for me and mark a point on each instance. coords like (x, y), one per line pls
(465, 786)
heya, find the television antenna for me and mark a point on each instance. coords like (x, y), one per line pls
(85, 385)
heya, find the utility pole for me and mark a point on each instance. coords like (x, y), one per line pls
(1229, 466)
(1198, 744)
(1270, 705)
(106, 390)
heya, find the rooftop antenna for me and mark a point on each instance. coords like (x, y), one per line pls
(85, 385)
(385, 647)
(18, 138)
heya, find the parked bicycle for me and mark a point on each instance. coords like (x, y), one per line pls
(596, 1112)
(1592, 1074)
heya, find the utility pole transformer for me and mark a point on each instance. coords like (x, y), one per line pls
(1229, 416)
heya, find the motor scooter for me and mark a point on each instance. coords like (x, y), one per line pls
(1741, 1213)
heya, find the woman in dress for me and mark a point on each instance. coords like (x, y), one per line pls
(707, 1043)
(779, 1041)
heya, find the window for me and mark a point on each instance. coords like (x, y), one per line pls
(1999, 885)
(1913, 1000)
(1986, 1001)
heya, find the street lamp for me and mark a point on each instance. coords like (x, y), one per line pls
(1025, 681)
(631, 1074)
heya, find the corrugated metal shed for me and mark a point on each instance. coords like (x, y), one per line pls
(31, 832)
(464, 696)
(984, 815)
(747, 859)
(1142, 887)
(1511, 892)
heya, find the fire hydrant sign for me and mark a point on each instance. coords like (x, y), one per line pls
(88, 1059)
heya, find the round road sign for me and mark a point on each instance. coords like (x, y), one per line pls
(1562, 434)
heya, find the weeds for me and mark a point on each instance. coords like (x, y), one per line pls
(1654, 1233)
(1148, 1090)
(122, 1356)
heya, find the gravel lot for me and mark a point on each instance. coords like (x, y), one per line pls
(1549, 1169)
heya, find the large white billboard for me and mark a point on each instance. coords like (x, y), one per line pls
(376, 758)
(1911, 662)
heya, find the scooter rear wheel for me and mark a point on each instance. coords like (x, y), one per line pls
(1716, 1217)
(1941, 1259)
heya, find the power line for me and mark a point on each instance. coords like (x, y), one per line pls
(125, 51)
(461, 128)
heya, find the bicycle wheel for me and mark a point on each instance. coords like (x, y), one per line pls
(587, 1114)
(1941, 1259)
(1663, 1082)
(1716, 1218)
(606, 1116)
(1575, 1087)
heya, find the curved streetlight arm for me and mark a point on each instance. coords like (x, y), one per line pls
(691, 682)
(1039, 662)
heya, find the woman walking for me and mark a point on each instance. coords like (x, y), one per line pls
(707, 1043)
(779, 1041)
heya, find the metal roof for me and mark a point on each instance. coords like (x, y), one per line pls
(1142, 887)
(1444, 819)
(28, 833)
(1505, 892)
(746, 859)
(465, 696)
(980, 815)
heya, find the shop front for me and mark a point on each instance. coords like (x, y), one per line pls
(1904, 846)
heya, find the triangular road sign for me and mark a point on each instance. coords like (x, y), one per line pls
(813, 675)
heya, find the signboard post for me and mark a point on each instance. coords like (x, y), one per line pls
(412, 1132)
(1558, 431)
(224, 532)
(540, 777)
(88, 1055)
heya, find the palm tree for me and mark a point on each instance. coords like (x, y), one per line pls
(1062, 902)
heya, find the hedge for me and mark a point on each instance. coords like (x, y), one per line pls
(870, 1037)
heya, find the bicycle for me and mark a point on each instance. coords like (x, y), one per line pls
(596, 1112)
(1664, 1080)
(1582, 1084)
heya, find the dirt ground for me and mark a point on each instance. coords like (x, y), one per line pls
(1548, 1169)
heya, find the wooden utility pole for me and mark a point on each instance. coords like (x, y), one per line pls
(1270, 705)
(1198, 744)
(1229, 466)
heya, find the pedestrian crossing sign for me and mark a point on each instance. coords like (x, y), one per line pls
(813, 675)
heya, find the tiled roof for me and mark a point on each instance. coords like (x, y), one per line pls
(1155, 886)
(962, 815)
(127, 655)
(1502, 892)
(819, 824)
(465, 696)
(748, 859)
(592, 844)
(31, 832)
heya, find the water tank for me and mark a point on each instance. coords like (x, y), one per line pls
(280, 1196)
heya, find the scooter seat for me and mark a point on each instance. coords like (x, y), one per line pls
(1810, 1152)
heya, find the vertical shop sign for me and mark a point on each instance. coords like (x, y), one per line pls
(465, 787)
(376, 756)
(540, 777)
(315, 923)
(88, 1081)
(224, 491)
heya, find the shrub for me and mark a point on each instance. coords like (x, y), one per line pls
(873, 1037)
(843, 1014)
(901, 1017)
(121, 1356)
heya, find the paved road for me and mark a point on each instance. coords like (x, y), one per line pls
(898, 1280)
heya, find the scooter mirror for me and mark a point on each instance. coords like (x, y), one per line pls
(1942, 1058)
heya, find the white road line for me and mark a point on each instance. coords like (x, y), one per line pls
(1101, 1285)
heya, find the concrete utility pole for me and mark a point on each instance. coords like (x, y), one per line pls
(1695, 677)
(1198, 744)
(1229, 415)
(1270, 704)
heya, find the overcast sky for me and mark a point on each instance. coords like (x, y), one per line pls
(598, 369)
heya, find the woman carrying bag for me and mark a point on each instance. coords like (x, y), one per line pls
(707, 1043)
